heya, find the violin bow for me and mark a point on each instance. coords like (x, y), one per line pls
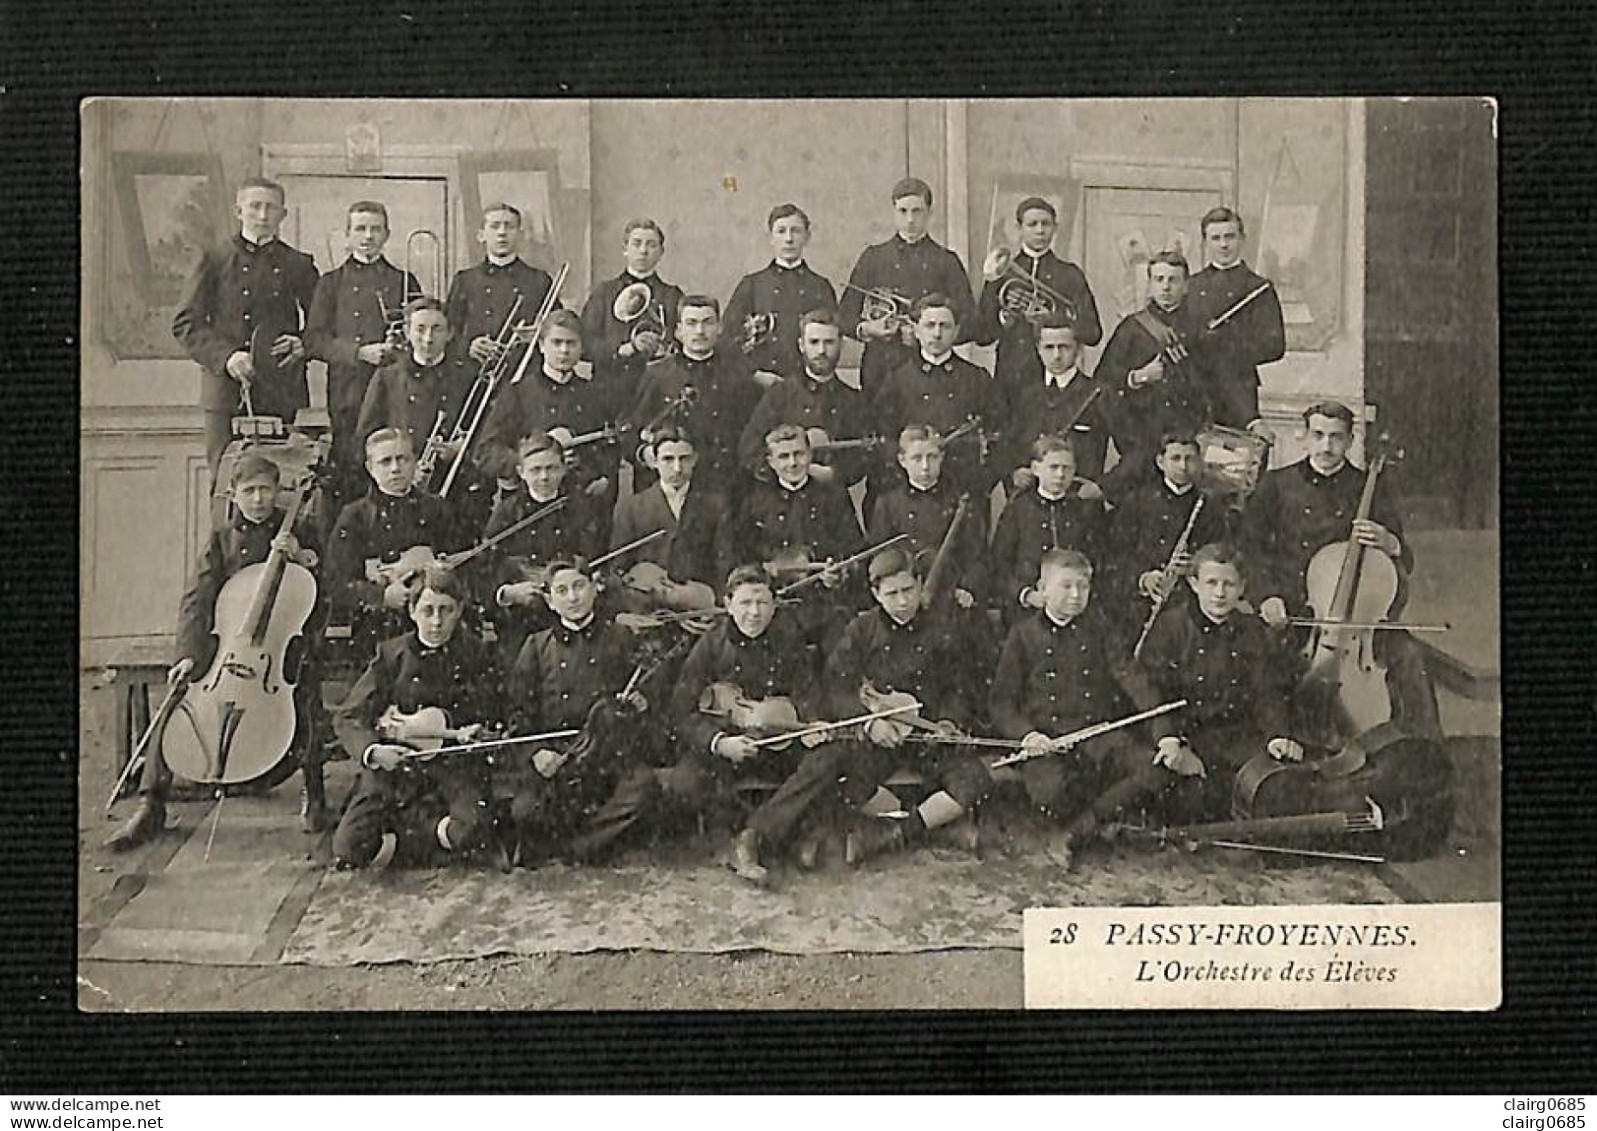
(822, 728)
(456, 560)
(162, 713)
(424, 755)
(842, 565)
(619, 550)
(1075, 738)
(1221, 319)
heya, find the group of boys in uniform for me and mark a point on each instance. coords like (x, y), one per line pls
(756, 628)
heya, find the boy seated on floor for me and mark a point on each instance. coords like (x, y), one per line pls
(404, 807)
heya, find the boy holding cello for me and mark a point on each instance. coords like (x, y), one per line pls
(245, 538)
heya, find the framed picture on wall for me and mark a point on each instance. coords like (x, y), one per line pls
(169, 207)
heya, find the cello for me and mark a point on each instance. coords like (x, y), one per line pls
(238, 721)
(1343, 693)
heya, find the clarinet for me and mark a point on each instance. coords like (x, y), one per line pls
(1167, 578)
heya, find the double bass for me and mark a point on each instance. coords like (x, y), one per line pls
(237, 722)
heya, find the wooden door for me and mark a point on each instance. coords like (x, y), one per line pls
(1431, 302)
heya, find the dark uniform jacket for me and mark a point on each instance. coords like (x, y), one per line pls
(725, 394)
(1032, 525)
(817, 518)
(1036, 408)
(561, 672)
(1145, 527)
(698, 547)
(913, 271)
(459, 677)
(1252, 337)
(942, 396)
(788, 292)
(926, 657)
(347, 313)
(408, 396)
(538, 403)
(925, 516)
(1294, 513)
(381, 527)
(1181, 400)
(835, 408)
(1228, 672)
(573, 529)
(603, 334)
(234, 544)
(1057, 678)
(236, 288)
(481, 298)
(774, 664)
(1017, 362)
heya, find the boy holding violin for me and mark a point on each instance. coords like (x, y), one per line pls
(902, 649)
(749, 678)
(1299, 510)
(923, 506)
(249, 534)
(697, 549)
(578, 674)
(516, 577)
(1055, 512)
(379, 540)
(405, 806)
(1223, 662)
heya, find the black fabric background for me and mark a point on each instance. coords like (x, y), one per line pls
(1537, 58)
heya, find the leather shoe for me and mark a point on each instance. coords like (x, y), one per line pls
(148, 821)
(879, 835)
(746, 857)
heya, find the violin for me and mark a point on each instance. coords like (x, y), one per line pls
(772, 718)
(427, 732)
(651, 582)
(821, 441)
(411, 563)
(238, 720)
(901, 712)
(1344, 693)
(937, 574)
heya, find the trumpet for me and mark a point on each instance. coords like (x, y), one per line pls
(635, 306)
(1021, 295)
(884, 303)
(757, 330)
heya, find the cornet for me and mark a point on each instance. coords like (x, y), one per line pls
(757, 330)
(882, 303)
(1020, 295)
(635, 307)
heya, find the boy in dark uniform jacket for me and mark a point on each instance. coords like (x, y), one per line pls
(812, 397)
(374, 531)
(763, 656)
(562, 673)
(698, 519)
(785, 290)
(922, 505)
(348, 329)
(1057, 512)
(514, 585)
(1155, 393)
(617, 354)
(246, 538)
(255, 281)
(1224, 664)
(1299, 509)
(482, 296)
(1058, 397)
(427, 810)
(788, 512)
(901, 647)
(723, 394)
(419, 386)
(1059, 671)
(1145, 527)
(563, 402)
(1017, 362)
(1254, 336)
(939, 389)
(912, 265)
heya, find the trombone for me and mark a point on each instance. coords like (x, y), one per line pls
(634, 306)
(1022, 295)
(394, 320)
(482, 391)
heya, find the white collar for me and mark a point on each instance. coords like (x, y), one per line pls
(1227, 267)
(420, 364)
(1054, 381)
(796, 488)
(794, 266)
(819, 378)
(688, 356)
(1059, 623)
(643, 278)
(921, 490)
(558, 378)
(569, 627)
(1051, 498)
(256, 243)
(1178, 492)
(536, 499)
(917, 240)
(502, 262)
(936, 360)
(358, 258)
